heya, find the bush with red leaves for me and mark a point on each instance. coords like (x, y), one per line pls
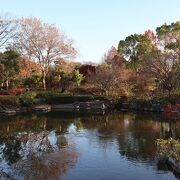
(171, 111)
(13, 91)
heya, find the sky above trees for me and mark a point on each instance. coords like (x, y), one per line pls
(96, 25)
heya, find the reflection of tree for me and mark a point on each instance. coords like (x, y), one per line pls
(42, 155)
(78, 124)
(37, 144)
(33, 123)
(48, 166)
(11, 149)
(32, 143)
(35, 147)
(135, 134)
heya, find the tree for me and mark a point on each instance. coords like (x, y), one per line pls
(33, 81)
(9, 66)
(105, 79)
(110, 55)
(166, 68)
(79, 77)
(165, 62)
(150, 35)
(87, 70)
(7, 30)
(43, 43)
(28, 68)
(169, 36)
(134, 49)
(61, 74)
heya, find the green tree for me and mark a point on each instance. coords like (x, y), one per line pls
(169, 36)
(165, 62)
(9, 65)
(135, 48)
(79, 77)
(34, 81)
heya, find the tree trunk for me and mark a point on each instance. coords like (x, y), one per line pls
(106, 93)
(44, 80)
(7, 84)
(169, 92)
(59, 79)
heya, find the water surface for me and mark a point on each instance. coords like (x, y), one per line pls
(84, 147)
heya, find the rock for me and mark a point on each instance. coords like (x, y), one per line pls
(42, 108)
(92, 106)
(63, 107)
(18, 110)
(174, 164)
(10, 112)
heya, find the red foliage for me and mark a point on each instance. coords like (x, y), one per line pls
(87, 70)
(111, 53)
(150, 35)
(13, 91)
(171, 111)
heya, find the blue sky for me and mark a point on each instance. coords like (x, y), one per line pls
(96, 25)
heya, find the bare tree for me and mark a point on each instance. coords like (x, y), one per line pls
(166, 69)
(7, 30)
(43, 43)
(105, 79)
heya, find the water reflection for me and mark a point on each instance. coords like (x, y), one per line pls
(44, 147)
(136, 136)
(33, 148)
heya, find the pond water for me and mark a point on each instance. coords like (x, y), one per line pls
(84, 146)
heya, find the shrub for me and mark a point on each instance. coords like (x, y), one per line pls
(28, 99)
(66, 99)
(55, 97)
(151, 102)
(171, 111)
(13, 91)
(169, 148)
(9, 102)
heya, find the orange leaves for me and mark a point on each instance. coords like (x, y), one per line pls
(150, 35)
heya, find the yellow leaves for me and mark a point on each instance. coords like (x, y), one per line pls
(169, 148)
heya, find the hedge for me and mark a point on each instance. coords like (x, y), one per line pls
(9, 102)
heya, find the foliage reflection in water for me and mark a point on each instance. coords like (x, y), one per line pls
(68, 146)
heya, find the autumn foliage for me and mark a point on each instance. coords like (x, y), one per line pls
(172, 111)
(13, 91)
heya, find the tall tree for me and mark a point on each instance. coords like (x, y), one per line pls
(169, 36)
(27, 68)
(110, 54)
(9, 66)
(7, 30)
(135, 49)
(165, 63)
(106, 79)
(43, 43)
(165, 67)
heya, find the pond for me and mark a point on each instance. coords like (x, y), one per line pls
(84, 146)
